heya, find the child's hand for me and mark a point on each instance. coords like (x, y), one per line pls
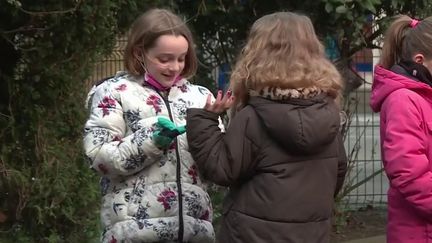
(166, 132)
(221, 104)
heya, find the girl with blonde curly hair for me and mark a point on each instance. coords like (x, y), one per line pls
(282, 156)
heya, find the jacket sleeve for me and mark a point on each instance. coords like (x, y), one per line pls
(109, 151)
(342, 165)
(405, 152)
(223, 158)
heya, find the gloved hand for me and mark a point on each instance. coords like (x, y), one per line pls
(166, 132)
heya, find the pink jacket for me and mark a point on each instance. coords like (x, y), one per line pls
(405, 107)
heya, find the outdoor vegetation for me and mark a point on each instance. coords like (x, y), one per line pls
(48, 50)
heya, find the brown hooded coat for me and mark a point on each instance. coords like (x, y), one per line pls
(283, 162)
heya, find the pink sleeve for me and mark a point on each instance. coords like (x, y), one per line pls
(405, 151)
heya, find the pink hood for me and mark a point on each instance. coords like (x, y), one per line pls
(386, 81)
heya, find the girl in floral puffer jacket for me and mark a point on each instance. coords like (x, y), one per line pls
(151, 191)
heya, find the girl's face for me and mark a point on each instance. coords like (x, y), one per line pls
(165, 61)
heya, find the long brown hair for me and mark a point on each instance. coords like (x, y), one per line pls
(144, 32)
(283, 51)
(403, 40)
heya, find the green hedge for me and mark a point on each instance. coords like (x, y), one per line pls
(48, 49)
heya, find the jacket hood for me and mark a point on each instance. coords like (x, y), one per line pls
(299, 125)
(387, 81)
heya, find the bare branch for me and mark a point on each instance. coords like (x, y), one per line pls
(22, 29)
(43, 13)
(368, 42)
(224, 52)
(14, 44)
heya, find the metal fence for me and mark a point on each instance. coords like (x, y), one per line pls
(362, 139)
(111, 64)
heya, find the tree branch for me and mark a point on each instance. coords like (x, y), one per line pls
(368, 42)
(42, 13)
(22, 29)
(224, 52)
(14, 44)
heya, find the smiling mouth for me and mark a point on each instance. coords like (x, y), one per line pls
(169, 76)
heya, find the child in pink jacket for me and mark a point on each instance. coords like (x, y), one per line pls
(402, 93)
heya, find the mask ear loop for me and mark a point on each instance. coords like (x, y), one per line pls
(147, 76)
(139, 55)
(141, 61)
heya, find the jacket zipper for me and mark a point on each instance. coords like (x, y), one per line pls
(178, 174)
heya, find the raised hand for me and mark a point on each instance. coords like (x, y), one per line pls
(221, 104)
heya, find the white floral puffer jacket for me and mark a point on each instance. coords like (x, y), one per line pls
(149, 195)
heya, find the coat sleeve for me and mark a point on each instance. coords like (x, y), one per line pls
(110, 152)
(223, 158)
(342, 165)
(405, 149)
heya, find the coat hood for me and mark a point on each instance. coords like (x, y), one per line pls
(302, 126)
(387, 81)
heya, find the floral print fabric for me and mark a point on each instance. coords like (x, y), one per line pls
(139, 184)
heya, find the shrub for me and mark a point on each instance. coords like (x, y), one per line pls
(48, 49)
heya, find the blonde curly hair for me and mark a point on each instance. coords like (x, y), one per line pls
(283, 51)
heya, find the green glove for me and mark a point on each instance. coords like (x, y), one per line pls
(166, 132)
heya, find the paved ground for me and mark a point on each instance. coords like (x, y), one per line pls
(375, 239)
